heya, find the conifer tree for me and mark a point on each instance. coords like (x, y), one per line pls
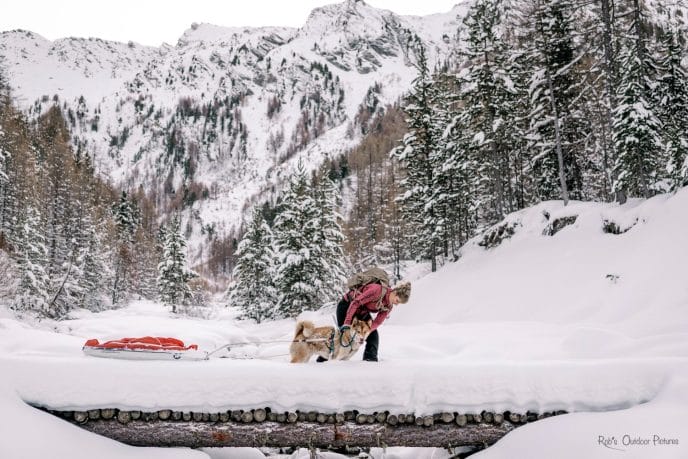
(555, 96)
(636, 126)
(330, 238)
(673, 104)
(33, 258)
(488, 114)
(416, 158)
(254, 290)
(173, 275)
(298, 278)
(95, 268)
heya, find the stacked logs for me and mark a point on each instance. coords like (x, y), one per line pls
(264, 427)
(259, 415)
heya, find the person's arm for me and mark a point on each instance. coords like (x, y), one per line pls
(369, 293)
(381, 316)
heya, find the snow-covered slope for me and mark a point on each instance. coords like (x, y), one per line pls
(586, 319)
(227, 110)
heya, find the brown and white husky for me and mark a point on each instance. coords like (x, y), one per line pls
(327, 342)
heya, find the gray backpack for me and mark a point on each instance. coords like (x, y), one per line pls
(369, 276)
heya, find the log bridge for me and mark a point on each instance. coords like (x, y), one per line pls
(262, 427)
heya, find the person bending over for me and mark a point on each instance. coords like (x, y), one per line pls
(363, 303)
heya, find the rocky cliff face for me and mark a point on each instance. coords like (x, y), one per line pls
(224, 115)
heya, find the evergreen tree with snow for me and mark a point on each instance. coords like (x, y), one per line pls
(489, 114)
(416, 158)
(33, 258)
(254, 290)
(173, 276)
(555, 99)
(673, 110)
(636, 127)
(96, 272)
(299, 276)
(127, 217)
(330, 238)
(451, 163)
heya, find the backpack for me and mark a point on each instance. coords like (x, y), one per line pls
(369, 276)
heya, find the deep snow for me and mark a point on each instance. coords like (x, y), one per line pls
(582, 320)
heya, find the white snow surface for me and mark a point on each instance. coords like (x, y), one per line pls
(589, 322)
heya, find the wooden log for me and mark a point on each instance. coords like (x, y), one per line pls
(176, 415)
(321, 418)
(107, 413)
(487, 417)
(198, 417)
(236, 415)
(214, 417)
(271, 434)
(259, 415)
(292, 417)
(80, 416)
(462, 420)
(224, 416)
(381, 416)
(186, 416)
(339, 418)
(392, 419)
(164, 414)
(361, 418)
(402, 418)
(246, 416)
(123, 417)
(137, 415)
(446, 417)
(498, 418)
(93, 415)
(281, 417)
(301, 416)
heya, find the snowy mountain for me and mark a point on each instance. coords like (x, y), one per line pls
(218, 119)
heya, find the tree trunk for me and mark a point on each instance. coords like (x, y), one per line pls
(557, 137)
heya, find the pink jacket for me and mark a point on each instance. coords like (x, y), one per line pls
(367, 301)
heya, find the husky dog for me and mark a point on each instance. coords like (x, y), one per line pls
(327, 342)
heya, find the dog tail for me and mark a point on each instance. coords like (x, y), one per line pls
(305, 327)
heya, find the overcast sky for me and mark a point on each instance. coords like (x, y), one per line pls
(152, 22)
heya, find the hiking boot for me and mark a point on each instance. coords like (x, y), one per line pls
(321, 359)
(369, 359)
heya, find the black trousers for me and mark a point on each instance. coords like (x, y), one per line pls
(373, 339)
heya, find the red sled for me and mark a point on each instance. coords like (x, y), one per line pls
(145, 348)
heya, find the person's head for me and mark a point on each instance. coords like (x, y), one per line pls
(400, 293)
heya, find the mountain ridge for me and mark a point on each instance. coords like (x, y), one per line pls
(228, 111)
